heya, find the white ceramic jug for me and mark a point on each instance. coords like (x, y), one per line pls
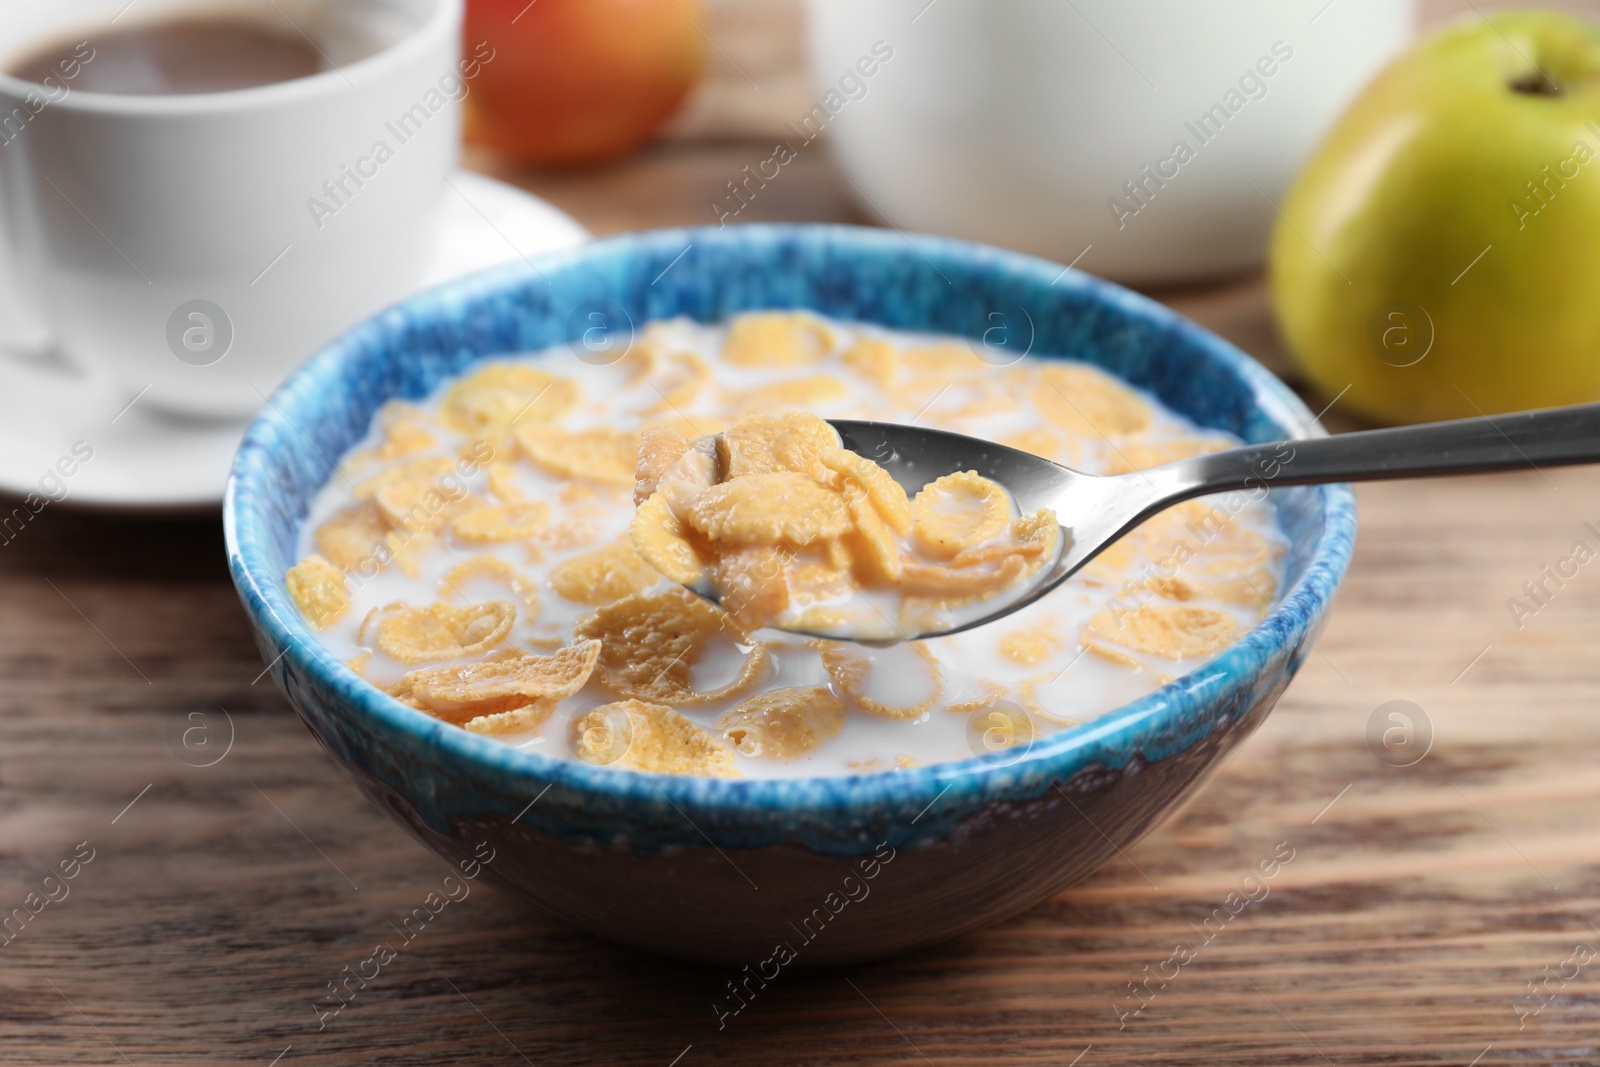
(1150, 137)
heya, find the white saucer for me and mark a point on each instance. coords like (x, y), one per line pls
(146, 461)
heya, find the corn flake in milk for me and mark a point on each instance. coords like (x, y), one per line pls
(508, 555)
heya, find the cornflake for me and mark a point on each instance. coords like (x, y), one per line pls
(496, 523)
(765, 444)
(502, 481)
(1253, 590)
(354, 538)
(661, 541)
(652, 642)
(945, 360)
(505, 681)
(1203, 545)
(776, 339)
(407, 549)
(421, 504)
(526, 717)
(875, 554)
(603, 575)
(1032, 645)
(649, 737)
(405, 433)
(599, 455)
(442, 631)
(768, 509)
(796, 392)
(817, 581)
(643, 357)
(784, 723)
(406, 437)
(503, 395)
(985, 405)
(992, 692)
(752, 583)
(1089, 402)
(821, 620)
(875, 360)
(660, 449)
(958, 511)
(318, 589)
(852, 669)
(428, 469)
(679, 383)
(566, 536)
(887, 496)
(977, 572)
(498, 570)
(1178, 631)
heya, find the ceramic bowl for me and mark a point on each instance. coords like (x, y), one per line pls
(804, 871)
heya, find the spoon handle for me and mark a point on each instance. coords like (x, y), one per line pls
(1526, 439)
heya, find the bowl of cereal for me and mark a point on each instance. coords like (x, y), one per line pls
(456, 560)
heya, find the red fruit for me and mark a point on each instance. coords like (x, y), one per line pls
(579, 81)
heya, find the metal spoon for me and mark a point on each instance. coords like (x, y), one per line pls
(1096, 510)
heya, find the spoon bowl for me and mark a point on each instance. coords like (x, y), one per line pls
(1103, 508)
(1095, 510)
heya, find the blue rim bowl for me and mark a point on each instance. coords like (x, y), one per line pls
(822, 870)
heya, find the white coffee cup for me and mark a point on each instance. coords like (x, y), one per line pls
(1020, 122)
(196, 247)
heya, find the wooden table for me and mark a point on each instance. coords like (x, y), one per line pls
(1420, 904)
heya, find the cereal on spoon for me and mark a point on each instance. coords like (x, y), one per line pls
(795, 531)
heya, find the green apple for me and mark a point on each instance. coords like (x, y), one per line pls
(1440, 254)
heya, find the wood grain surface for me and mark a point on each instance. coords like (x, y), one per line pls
(1447, 912)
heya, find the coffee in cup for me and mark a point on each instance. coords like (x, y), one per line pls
(165, 175)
